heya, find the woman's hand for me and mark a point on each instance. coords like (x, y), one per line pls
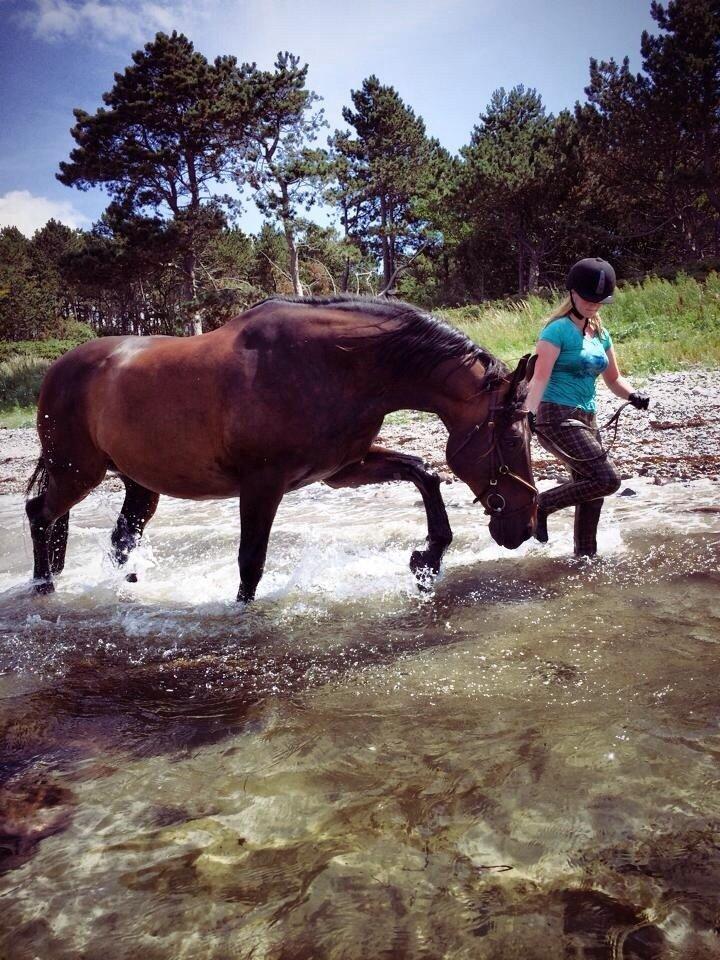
(641, 401)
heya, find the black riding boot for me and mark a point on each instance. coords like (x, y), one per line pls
(587, 517)
(541, 532)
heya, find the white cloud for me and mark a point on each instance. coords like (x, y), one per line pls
(19, 208)
(107, 21)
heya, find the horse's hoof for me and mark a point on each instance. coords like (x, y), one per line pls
(423, 560)
(425, 570)
(131, 578)
(44, 587)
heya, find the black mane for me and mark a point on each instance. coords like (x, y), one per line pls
(410, 338)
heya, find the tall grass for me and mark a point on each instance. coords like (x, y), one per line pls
(20, 379)
(657, 325)
(22, 367)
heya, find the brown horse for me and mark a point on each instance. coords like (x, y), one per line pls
(291, 392)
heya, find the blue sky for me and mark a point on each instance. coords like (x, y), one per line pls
(444, 57)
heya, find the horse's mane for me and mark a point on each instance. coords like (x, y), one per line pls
(410, 338)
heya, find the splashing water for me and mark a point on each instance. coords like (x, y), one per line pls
(522, 763)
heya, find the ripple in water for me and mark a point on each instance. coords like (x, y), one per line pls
(522, 763)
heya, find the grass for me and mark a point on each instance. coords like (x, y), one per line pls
(20, 379)
(17, 417)
(23, 364)
(657, 325)
(40, 349)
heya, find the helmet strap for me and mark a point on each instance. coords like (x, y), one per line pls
(574, 312)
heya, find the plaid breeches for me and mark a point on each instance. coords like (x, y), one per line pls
(572, 436)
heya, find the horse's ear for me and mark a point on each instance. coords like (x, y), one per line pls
(520, 373)
(530, 368)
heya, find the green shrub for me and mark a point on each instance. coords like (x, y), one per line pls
(39, 349)
(23, 364)
(18, 417)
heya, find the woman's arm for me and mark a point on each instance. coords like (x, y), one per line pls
(613, 380)
(547, 354)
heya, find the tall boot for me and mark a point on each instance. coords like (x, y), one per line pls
(587, 517)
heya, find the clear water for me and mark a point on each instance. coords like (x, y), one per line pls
(523, 763)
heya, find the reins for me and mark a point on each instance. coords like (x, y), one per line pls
(614, 420)
(499, 468)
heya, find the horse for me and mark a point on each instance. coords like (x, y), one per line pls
(288, 393)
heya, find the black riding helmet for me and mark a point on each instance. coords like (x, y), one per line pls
(593, 279)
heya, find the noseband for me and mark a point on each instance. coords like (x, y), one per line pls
(495, 504)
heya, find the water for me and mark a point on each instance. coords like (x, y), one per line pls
(523, 763)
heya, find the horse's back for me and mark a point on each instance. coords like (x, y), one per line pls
(272, 389)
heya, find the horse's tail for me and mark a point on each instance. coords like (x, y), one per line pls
(38, 482)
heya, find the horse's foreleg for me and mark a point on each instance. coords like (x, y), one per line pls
(138, 507)
(380, 466)
(258, 506)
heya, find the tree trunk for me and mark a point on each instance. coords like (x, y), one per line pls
(293, 256)
(533, 271)
(386, 251)
(521, 269)
(191, 286)
(345, 283)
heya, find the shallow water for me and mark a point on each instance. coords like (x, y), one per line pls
(523, 763)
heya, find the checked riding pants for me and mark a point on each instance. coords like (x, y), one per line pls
(572, 435)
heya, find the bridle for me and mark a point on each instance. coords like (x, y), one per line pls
(495, 503)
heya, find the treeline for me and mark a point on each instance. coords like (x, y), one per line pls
(631, 174)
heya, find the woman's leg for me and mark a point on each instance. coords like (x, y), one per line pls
(572, 436)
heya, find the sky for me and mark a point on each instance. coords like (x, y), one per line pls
(444, 57)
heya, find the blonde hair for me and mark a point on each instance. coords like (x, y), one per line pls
(564, 309)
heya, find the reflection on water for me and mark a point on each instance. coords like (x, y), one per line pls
(523, 763)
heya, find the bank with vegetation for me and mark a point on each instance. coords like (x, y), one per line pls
(657, 325)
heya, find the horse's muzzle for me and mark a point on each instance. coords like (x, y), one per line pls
(510, 535)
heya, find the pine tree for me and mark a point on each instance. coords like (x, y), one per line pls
(281, 165)
(653, 139)
(382, 171)
(516, 183)
(168, 133)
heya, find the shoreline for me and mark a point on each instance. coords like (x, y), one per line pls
(677, 439)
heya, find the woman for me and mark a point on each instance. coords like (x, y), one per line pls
(572, 351)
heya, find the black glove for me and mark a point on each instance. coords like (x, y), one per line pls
(639, 400)
(532, 421)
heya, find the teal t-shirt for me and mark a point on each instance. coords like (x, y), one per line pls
(580, 362)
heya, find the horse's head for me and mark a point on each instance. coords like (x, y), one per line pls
(493, 459)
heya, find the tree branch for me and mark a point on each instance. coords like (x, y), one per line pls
(400, 269)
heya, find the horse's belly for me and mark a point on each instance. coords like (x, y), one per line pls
(186, 481)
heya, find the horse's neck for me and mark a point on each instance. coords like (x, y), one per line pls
(453, 391)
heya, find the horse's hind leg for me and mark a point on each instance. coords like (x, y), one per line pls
(48, 514)
(58, 543)
(380, 466)
(138, 507)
